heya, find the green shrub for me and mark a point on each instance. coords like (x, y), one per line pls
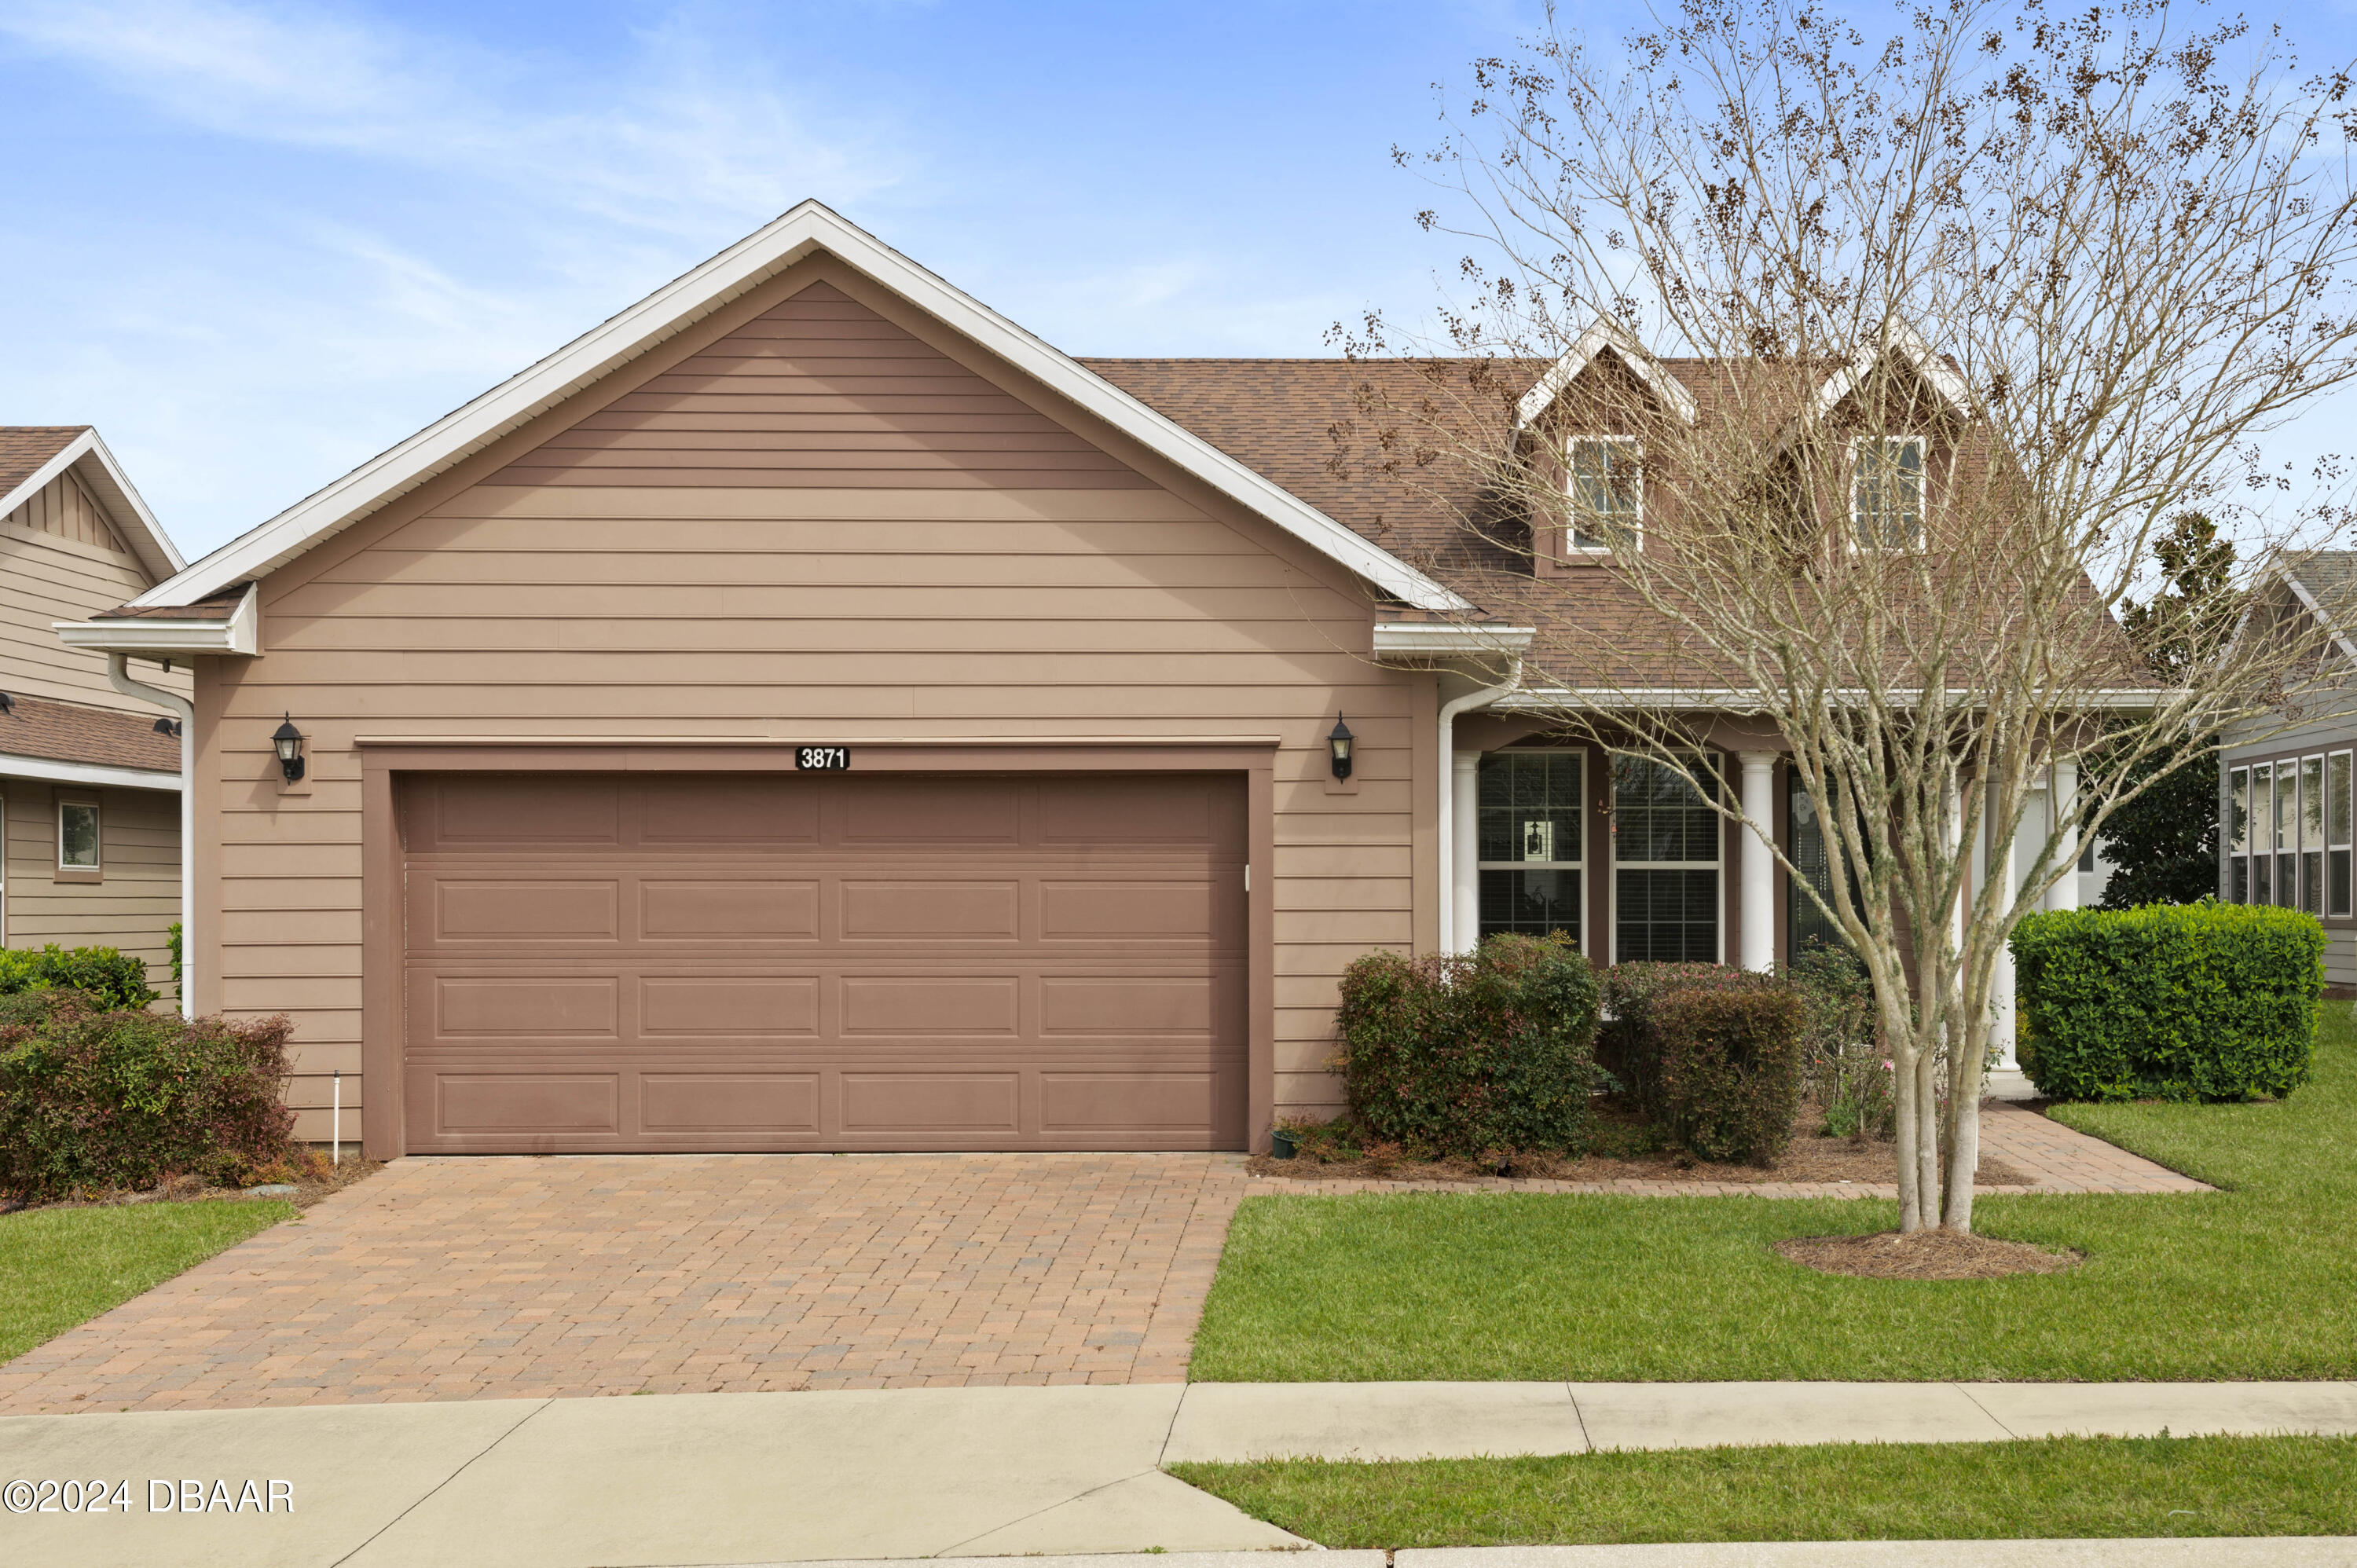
(116, 978)
(2189, 1002)
(1728, 1069)
(1626, 1046)
(91, 1099)
(1473, 1055)
(1843, 1061)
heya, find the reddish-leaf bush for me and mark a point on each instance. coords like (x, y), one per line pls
(91, 1099)
(1471, 1055)
(1728, 1069)
(1712, 1055)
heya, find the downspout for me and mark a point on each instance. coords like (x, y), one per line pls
(1448, 712)
(118, 671)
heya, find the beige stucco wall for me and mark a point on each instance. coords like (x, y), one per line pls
(137, 896)
(906, 596)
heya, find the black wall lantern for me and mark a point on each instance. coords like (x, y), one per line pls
(289, 742)
(1338, 743)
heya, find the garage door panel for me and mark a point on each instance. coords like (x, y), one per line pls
(506, 1006)
(761, 1006)
(525, 1104)
(921, 909)
(826, 961)
(932, 1006)
(727, 813)
(776, 1102)
(926, 1102)
(714, 910)
(506, 911)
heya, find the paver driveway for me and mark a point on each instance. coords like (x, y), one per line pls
(503, 1277)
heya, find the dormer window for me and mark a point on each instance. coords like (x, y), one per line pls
(1887, 492)
(1607, 494)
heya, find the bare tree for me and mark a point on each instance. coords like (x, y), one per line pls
(1947, 323)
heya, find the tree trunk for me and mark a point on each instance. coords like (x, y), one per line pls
(1965, 1150)
(1904, 1089)
(1927, 1140)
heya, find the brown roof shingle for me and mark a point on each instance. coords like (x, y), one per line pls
(24, 447)
(69, 732)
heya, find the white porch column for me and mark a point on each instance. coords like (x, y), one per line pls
(2002, 869)
(1757, 868)
(2062, 806)
(1465, 839)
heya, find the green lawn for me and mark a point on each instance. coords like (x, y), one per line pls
(63, 1266)
(2258, 1280)
(2053, 1487)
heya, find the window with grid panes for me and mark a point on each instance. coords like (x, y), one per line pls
(1528, 821)
(2237, 829)
(2262, 834)
(1607, 505)
(2311, 834)
(1665, 864)
(2286, 822)
(2336, 836)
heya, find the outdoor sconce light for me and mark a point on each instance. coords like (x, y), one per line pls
(289, 743)
(1338, 743)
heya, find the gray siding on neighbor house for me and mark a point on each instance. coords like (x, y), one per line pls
(2335, 732)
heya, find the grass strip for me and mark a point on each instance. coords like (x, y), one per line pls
(2256, 1281)
(2062, 1486)
(59, 1267)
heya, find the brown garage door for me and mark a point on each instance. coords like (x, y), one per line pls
(824, 961)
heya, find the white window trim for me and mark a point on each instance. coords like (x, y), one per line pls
(96, 866)
(1615, 865)
(1580, 837)
(1858, 539)
(2348, 761)
(1571, 487)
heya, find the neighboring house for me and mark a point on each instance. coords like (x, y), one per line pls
(2283, 805)
(809, 712)
(90, 790)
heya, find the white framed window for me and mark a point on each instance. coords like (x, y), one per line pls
(1666, 849)
(2311, 834)
(2336, 836)
(2237, 831)
(1529, 815)
(2286, 834)
(1887, 492)
(79, 837)
(1606, 493)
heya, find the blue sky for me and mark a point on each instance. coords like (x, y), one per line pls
(255, 243)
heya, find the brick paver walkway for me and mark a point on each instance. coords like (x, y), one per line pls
(496, 1278)
(2056, 1159)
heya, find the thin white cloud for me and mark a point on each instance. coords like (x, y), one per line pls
(676, 136)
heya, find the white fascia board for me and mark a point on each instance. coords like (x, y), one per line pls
(1423, 640)
(1604, 333)
(1900, 339)
(95, 466)
(49, 770)
(808, 228)
(240, 633)
(2307, 600)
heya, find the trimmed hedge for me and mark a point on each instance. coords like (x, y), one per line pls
(1473, 1055)
(2186, 1001)
(116, 978)
(1712, 1055)
(93, 1099)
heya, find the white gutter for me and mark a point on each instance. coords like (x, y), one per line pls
(239, 632)
(1746, 699)
(1448, 712)
(96, 776)
(118, 671)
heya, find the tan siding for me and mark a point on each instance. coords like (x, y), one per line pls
(920, 581)
(54, 568)
(131, 908)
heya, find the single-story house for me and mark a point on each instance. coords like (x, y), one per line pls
(809, 712)
(90, 774)
(2284, 786)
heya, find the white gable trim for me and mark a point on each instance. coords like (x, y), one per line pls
(1602, 334)
(95, 467)
(1904, 341)
(2315, 610)
(806, 229)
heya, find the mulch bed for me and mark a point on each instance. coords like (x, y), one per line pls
(1933, 1254)
(1808, 1158)
(192, 1189)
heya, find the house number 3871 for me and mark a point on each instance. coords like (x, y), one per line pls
(822, 759)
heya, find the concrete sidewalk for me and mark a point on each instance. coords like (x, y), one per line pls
(750, 1478)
